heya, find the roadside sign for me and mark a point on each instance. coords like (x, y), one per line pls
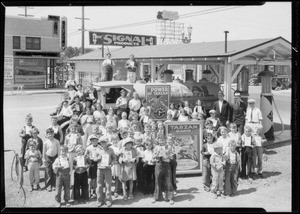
(158, 98)
(117, 39)
(8, 68)
(188, 143)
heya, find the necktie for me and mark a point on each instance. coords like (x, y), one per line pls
(251, 115)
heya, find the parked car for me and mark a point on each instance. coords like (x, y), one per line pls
(282, 81)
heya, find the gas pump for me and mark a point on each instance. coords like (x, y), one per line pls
(243, 83)
(266, 107)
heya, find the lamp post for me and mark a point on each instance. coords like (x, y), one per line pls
(187, 38)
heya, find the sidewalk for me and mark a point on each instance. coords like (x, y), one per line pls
(34, 91)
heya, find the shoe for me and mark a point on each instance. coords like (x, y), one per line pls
(100, 204)
(130, 197)
(68, 204)
(25, 168)
(58, 204)
(108, 203)
(125, 198)
(38, 187)
(53, 188)
(260, 175)
(175, 193)
(116, 195)
(49, 189)
(86, 201)
(153, 201)
(75, 202)
(171, 202)
(215, 196)
(223, 196)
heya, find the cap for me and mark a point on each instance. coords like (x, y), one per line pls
(124, 130)
(103, 139)
(123, 91)
(127, 140)
(251, 101)
(93, 137)
(237, 94)
(212, 111)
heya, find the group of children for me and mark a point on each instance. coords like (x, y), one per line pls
(127, 148)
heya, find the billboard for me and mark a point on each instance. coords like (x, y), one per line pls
(116, 39)
(188, 143)
(8, 68)
(158, 98)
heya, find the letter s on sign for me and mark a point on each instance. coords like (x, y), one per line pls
(107, 39)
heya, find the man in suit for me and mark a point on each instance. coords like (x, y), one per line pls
(222, 109)
(239, 109)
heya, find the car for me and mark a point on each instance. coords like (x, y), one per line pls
(254, 81)
(281, 81)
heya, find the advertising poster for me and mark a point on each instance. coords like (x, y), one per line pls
(158, 98)
(8, 68)
(188, 143)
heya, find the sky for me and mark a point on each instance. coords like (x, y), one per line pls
(271, 20)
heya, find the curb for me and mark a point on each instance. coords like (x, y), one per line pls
(31, 93)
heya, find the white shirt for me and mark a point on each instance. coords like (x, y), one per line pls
(220, 105)
(121, 101)
(235, 136)
(198, 109)
(108, 62)
(99, 114)
(148, 156)
(256, 115)
(224, 142)
(67, 112)
(123, 124)
(257, 139)
(183, 118)
(134, 104)
(143, 110)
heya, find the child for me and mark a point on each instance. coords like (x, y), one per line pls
(33, 159)
(248, 143)
(183, 116)
(169, 119)
(65, 113)
(214, 119)
(148, 168)
(236, 136)
(80, 165)
(136, 131)
(77, 107)
(99, 113)
(51, 149)
(128, 159)
(187, 108)
(87, 119)
(72, 140)
(136, 121)
(153, 129)
(92, 151)
(163, 181)
(208, 128)
(206, 151)
(123, 123)
(173, 162)
(173, 111)
(61, 168)
(224, 138)
(102, 126)
(25, 134)
(195, 116)
(160, 130)
(140, 148)
(145, 118)
(95, 132)
(116, 168)
(258, 151)
(217, 163)
(144, 107)
(58, 134)
(104, 173)
(233, 162)
(201, 113)
(36, 139)
(134, 105)
(112, 118)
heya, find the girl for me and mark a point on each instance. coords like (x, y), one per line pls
(160, 130)
(92, 152)
(148, 168)
(214, 119)
(236, 136)
(25, 134)
(224, 138)
(102, 126)
(183, 116)
(121, 103)
(116, 168)
(99, 113)
(148, 134)
(128, 159)
(58, 134)
(134, 105)
(195, 116)
(33, 159)
(87, 119)
(36, 140)
(145, 118)
(173, 111)
(201, 112)
(123, 123)
(144, 107)
(187, 108)
(206, 151)
(233, 162)
(112, 118)
(136, 121)
(80, 165)
(136, 131)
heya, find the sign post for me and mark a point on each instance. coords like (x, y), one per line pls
(188, 143)
(158, 98)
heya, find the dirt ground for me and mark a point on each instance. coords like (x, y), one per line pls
(273, 192)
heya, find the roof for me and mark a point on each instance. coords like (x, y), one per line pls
(204, 49)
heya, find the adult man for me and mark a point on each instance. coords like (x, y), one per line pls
(107, 64)
(239, 109)
(131, 66)
(253, 115)
(222, 109)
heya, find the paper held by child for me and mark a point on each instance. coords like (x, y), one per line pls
(80, 161)
(128, 156)
(105, 160)
(64, 163)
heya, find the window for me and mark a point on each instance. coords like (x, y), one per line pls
(33, 43)
(16, 42)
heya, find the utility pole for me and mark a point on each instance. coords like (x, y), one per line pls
(26, 15)
(226, 32)
(82, 29)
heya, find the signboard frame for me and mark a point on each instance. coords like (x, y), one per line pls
(121, 39)
(161, 106)
(181, 130)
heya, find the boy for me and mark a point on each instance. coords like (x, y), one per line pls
(148, 168)
(33, 159)
(217, 163)
(253, 115)
(224, 138)
(206, 151)
(248, 143)
(173, 162)
(235, 135)
(233, 163)
(105, 160)
(61, 168)
(51, 149)
(258, 151)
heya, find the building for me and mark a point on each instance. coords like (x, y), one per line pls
(32, 47)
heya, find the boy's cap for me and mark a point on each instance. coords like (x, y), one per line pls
(124, 130)
(93, 137)
(123, 91)
(237, 94)
(217, 145)
(251, 101)
(212, 111)
(103, 139)
(126, 141)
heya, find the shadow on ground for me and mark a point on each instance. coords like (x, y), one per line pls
(190, 190)
(269, 152)
(246, 191)
(185, 197)
(270, 174)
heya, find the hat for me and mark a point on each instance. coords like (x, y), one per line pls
(127, 140)
(31, 143)
(212, 111)
(103, 139)
(251, 101)
(221, 93)
(124, 130)
(93, 137)
(237, 94)
(123, 90)
(217, 145)
(138, 136)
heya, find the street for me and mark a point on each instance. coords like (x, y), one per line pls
(40, 106)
